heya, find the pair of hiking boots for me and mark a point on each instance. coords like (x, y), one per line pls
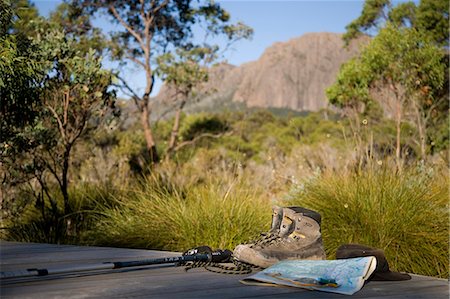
(294, 234)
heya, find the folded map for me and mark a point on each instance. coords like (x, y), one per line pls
(345, 276)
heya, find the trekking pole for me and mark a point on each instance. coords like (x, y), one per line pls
(193, 255)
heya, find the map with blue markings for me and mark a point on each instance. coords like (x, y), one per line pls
(345, 276)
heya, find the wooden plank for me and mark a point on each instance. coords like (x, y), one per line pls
(13, 255)
(164, 281)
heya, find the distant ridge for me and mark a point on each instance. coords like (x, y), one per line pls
(292, 74)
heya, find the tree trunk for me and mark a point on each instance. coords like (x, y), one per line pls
(398, 128)
(421, 125)
(175, 130)
(423, 140)
(64, 180)
(148, 134)
(398, 97)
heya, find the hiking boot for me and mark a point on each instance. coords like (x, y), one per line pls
(277, 217)
(298, 237)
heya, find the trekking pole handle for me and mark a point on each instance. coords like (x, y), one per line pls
(221, 256)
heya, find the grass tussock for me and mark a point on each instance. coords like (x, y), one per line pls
(45, 221)
(405, 214)
(217, 214)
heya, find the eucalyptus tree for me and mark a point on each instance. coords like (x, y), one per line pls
(20, 75)
(405, 62)
(411, 67)
(75, 92)
(407, 66)
(150, 28)
(183, 74)
(351, 91)
(431, 16)
(52, 90)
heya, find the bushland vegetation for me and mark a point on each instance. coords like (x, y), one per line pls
(74, 171)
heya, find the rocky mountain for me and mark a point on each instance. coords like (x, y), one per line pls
(292, 74)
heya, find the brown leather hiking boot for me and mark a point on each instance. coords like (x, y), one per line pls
(299, 237)
(277, 217)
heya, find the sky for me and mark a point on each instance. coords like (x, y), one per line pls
(272, 21)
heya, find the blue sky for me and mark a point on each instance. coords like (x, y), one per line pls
(273, 21)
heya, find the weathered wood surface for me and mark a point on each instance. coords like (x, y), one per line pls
(161, 281)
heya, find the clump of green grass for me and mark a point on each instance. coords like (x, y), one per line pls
(47, 223)
(406, 214)
(218, 214)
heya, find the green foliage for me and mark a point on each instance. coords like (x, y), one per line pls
(21, 75)
(218, 214)
(5, 16)
(170, 23)
(406, 61)
(24, 17)
(351, 89)
(53, 91)
(76, 97)
(407, 57)
(195, 125)
(402, 56)
(130, 153)
(78, 26)
(20, 71)
(129, 143)
(439, 136)
(45, 221)
(431, 16)
(404, 214)
(409, 68)
(404, 14)
(373, 11)
(184, 72)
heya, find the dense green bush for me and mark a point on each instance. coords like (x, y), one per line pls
(194, 125)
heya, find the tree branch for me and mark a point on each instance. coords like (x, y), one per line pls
(66, 99)
(60, 124)
(134, 95)
(135, 60)
(53, 170)
(155, 10)
(126, 26)
(142, 9)
(432, 107)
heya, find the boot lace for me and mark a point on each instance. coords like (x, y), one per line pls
(266, 239)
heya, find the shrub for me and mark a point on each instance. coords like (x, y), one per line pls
(195, 125)
(217, 214)
(46, 224)
(405, 214)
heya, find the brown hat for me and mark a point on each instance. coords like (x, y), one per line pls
(382, 271)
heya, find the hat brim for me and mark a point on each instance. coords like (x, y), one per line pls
(390, 276)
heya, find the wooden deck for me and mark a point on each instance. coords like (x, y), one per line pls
(161, 281)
